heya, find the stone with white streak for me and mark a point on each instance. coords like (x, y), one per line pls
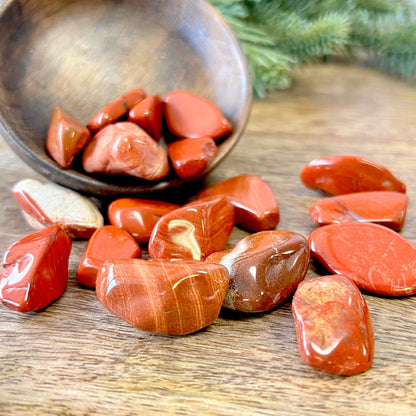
(47, 204)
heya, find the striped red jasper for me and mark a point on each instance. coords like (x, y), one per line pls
(173, 298)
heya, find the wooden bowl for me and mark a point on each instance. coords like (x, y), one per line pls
(82, 54)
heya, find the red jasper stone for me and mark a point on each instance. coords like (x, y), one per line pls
(193, 231)
(265, 269)
(375, 257)
(190, 157)
(148, 114)
(35, 270)
(124, 148)
(138, 216)
(47, 204)
(381, 207)
(255, 206)
(116, 109)
(337, 175)
(333, 325)
(174, 298)
(190, 116)
(66, 137)
(107, 243)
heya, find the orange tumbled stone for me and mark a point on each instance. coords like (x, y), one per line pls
(124, 148)
(66, 137)
(107, 243)
(333, 325)
(381, 207)
(375, 257)
(148, 114)
(190, 157)
(174, 298)
(193, 231)
(255, 206)
(116, 109)
(35, 270)
(344, 174)
(190, 116)
(138, 216)
(265, 269)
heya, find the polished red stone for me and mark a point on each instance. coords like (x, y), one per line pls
(190, 157)
(66, 137)
(255, 206)
(124, 148)
(344, 174)
(47, 204)
(265, 269)
(381, 207)
(333, 325)
(173, 298)
(148, 114)
(35, 270)
(375, 257)
(190, 116)
(107, 243)
(193, 231)
(138, 216)
(116, 109)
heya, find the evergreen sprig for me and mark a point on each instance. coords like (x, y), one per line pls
(276, 35)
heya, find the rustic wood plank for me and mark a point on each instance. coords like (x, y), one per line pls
(75, 358)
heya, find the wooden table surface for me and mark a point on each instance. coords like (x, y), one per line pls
(74, 358)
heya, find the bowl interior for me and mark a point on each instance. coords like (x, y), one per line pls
(82, 54)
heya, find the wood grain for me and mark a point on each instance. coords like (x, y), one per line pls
(74, 358)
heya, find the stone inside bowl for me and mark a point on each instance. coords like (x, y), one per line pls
(81, 55)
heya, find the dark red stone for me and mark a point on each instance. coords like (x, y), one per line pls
(116, 109)
(66, 137)
(344, 174)
(107, 243)
(190, 116)
(333, 325)
(174, 298)
(381, 207)
(35, 270)
(255, 206)
(375, 257)
(193, 231)
(148, 114)
(265, 269)
(190, 157)
(138, 216)
(124, 148)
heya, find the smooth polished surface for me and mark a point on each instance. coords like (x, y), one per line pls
(342, 174)
(189, 157)
(381, 207)
(375, 257)
(193, 231)
(333, 325)
(107, 243)
(46, 203)
(35, 270)
(75, 358)
(254, 203)
(138, 216)
(265, 269)
(66, 137)
(172, 298)
(82, 55)
(123, 148)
